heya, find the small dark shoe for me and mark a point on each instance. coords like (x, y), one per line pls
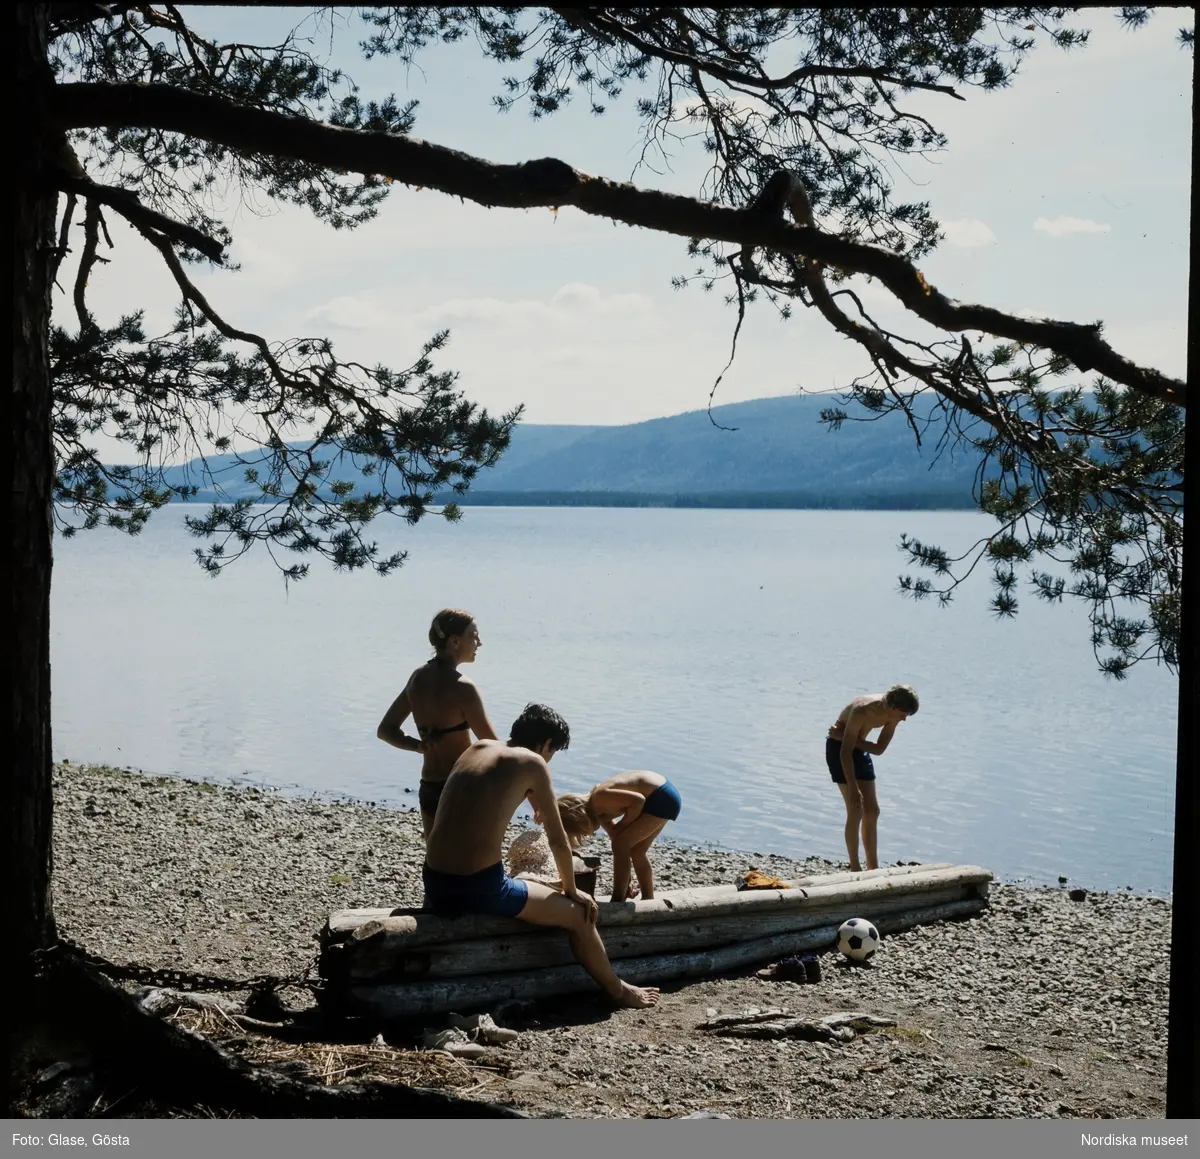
(789, 969)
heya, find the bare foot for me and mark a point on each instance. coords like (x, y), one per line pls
(637, 997)
(856, 869)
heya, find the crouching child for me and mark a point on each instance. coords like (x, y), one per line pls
(633, 809)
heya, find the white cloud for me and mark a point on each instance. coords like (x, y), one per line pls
(571, 301)
(574, 301)
(589, 298)
(1061, 226)
(968, 234)
(349, 312)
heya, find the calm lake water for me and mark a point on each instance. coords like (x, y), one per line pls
(715, 647)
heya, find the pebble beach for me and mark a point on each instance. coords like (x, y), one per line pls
(1048, 1004)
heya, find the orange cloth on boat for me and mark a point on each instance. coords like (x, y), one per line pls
(756, 880)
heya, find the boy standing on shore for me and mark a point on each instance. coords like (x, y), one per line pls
(848, 754)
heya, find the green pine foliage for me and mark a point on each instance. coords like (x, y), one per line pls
(1087, 490)
(411, 432)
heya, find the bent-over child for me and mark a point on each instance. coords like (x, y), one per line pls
(633, 808)
(848, 754)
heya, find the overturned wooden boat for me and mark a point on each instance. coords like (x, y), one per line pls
(400, 963)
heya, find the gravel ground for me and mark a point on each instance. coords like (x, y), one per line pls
(1041, 1006)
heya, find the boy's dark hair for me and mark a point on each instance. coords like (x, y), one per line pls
(903, 697)
(538, 724)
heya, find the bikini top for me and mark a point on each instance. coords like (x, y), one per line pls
(430, 733)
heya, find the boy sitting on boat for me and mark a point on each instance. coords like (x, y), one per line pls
(463, 870)
(644, 802)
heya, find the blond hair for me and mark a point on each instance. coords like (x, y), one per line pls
(578, 817)
(448, 622)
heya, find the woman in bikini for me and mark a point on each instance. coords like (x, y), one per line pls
(445, 707)
(644, 802)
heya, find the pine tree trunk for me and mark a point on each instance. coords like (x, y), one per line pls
(28, 813)
(1183, 1016)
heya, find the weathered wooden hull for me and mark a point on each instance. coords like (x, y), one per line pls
(401, 1002)
(401, 964)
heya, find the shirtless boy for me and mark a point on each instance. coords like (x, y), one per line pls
(644, 802)
(463, 870)
(848, 754)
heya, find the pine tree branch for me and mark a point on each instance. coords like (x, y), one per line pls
(128, 206)
(603, 26)
(64, 237)
(551, 182)
(192, 295)
(65, 17)
(89, 257)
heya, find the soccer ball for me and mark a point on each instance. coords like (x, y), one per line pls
(858, 939)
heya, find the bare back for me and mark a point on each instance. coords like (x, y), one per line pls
(637, 781)
(435, 696)
(862, 715)
(486, 787)
(446, 708)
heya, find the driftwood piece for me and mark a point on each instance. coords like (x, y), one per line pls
(743, 1019)
(418, 928)
(403, 1002)
(799, 1028)
(163, 1001)
(841, 1027)
(380, 956)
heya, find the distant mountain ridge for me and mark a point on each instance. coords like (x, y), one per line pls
(778, 454)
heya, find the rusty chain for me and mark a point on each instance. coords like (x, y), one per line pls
(175, 978)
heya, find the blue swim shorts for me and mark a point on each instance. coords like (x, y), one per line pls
(664, 802)
(864, 770)
(490, 891)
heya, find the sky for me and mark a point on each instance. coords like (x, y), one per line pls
(1066, 195)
